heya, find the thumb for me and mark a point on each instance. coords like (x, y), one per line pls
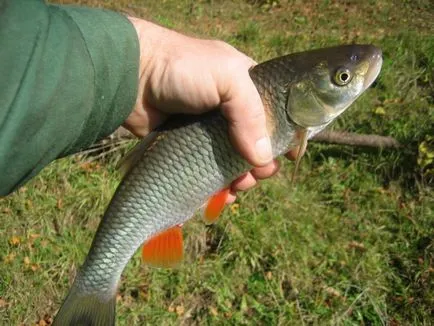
(247, 121)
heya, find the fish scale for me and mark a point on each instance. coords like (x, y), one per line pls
(190, 158)
(149, 197)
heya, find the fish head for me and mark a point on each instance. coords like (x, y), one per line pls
(328, 82)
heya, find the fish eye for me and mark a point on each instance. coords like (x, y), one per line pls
(342, 77)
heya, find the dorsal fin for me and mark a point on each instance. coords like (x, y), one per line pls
(131, 158)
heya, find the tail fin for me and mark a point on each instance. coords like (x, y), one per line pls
(86, 310)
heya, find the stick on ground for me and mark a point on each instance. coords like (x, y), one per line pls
(353, 139)
(330, 137)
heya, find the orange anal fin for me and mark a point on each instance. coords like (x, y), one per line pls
(215, 206)
(166, 249)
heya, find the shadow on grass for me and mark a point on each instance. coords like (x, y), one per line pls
(390, 164)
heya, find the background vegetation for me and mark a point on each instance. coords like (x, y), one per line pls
(350, 244)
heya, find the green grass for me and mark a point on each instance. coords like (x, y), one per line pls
(351, 243)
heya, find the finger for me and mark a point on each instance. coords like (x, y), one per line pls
(267, 171)
(244, 182)
(247, 121)
(292, 154)
(231, 198)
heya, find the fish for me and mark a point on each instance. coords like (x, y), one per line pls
(190, 162)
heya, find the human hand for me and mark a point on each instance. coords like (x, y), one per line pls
(180, 74)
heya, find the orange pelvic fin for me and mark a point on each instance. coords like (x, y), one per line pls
(166, 249)
(215, 206)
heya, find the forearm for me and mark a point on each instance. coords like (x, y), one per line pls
(69, 77)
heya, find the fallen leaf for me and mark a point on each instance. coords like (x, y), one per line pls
(48, 319)
(14, 240)
(9, 258)
(235, 208)
(86, 167)
(34, 236)
(380, 110)
(90, 166)
(180, 310)
(213, 311)
(3, 303)
(357, 245)
(228, 314)
(34, 267)
(60, 203)
(29, 203)
(333, 292)
(394, 322)
(26, 260)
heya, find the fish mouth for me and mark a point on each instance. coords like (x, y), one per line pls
(375, 63)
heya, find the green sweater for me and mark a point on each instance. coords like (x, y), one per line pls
(68, 77)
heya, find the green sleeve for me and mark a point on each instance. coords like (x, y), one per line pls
(68, 77)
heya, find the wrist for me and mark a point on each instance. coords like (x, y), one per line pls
(151, 38)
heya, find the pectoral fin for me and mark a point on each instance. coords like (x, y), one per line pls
(301, 148)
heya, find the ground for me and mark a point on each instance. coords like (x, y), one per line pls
(351, 243)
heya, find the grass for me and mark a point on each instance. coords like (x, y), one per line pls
(350, 244)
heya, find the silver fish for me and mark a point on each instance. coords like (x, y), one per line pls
(176, 169)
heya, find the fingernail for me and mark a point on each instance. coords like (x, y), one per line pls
(263, 150)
